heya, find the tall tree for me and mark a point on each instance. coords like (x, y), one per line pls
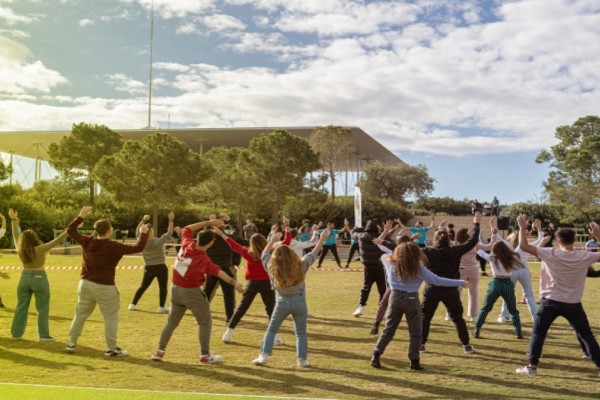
(4, 170)
(334, 145)
(76, 155)
(278, 164)
(574, 180)
(395, 182)
(227, 186)
(150, 173)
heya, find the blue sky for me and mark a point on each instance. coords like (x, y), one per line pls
(472, 89)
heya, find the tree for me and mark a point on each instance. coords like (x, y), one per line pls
(334, 145)
(150, 173)
(77, 154)
(4, 171)
(395, 182)
(277, 167)
(574, 180)
(227, 186)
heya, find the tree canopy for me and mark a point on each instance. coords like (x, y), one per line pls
(152, 173)
(3, 171)
(76, 155)
(277, 166)
(395, 182)
(334, 146)
(574, 179)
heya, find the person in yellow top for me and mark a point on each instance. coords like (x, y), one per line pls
(32, 253)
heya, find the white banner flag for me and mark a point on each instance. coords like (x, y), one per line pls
(357, 207)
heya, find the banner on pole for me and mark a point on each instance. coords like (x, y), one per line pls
(357, 207)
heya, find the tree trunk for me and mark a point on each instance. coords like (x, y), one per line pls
(276, 205)
(332, 178)
(155, 219)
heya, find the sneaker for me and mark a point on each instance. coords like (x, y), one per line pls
(359, 311)
(70, 347)
(158, 356)
(209, 359)
(260, 360)
(48, 339)
(131, 307)
(375, 362)
(302, 363)
(116, 352)
(502, 319)
(526, 370)
(309, 315)
(228, 337)
(470, 319)
(415, 365)
(523, 300)
(375, 329)
(347, 266)
(469, 349)
(422, 349)
(340, 266)
(164, 310)
(447, 318)
(319, 266)
(586, 356)
(476, 333)
(278, 341)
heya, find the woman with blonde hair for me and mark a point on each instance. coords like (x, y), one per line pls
(257, 281)
(32, 253)
(405, 270)
(287, 272)
(504, 262)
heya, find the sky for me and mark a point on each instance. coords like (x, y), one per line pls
(471, 89)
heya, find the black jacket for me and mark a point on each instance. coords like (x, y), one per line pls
(445, 261)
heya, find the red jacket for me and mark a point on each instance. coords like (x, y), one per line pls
(192, 264)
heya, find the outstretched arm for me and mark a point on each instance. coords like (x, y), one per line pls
(206, 224)
(3, 227)
(144, 220)
(14, 222)
(432, 222)
(523, 244)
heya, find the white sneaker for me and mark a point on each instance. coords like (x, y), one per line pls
(164, 310)
(526, 370)
(209, 359)
(359, 311)
(502, 319)
(278, 341)
(131, 307)
(447, 317)
(228, 337)
(262, 359)
(302, 363)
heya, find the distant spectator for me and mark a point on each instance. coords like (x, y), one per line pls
(249, 229)
(495, 206)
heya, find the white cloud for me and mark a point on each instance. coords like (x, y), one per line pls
(221, 22)
(86, 22)
(123, 83)
(176, 8)
(9, 16)
(19, 76)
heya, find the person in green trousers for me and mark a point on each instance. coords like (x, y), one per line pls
(32, 253)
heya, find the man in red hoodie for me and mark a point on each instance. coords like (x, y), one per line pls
(97, 285)
(189, 272)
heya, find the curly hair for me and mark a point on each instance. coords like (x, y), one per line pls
(28, 241)
(257, 244)
(407, 259)
(509, 259)
(286, 267)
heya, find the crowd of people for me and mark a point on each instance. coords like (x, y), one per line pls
(276, 267)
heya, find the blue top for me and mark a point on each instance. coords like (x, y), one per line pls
(422, 233)
(413, 284)
(330, 240)
(304, 236)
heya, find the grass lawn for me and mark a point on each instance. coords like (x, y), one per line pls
(339, 350)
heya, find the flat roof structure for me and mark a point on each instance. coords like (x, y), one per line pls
(35, 144)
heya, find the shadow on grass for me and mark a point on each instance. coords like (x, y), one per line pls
(36, 362)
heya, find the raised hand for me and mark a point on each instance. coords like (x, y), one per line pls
(13, 214)
(146, 218)
(522, 221)
(144, 228)
(85, 211)
(171, 216)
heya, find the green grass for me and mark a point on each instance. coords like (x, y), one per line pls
(339, 350)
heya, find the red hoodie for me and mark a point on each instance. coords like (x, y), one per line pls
(192, 264)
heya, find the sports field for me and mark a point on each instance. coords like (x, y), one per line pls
(339, 350)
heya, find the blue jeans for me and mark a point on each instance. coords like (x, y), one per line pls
(550, 310)
(524, 277)
(286, 304)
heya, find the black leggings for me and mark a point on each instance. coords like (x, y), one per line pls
(333, 249)
(161, 273)
(210, 288)
(252, 289)
(353, 249)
